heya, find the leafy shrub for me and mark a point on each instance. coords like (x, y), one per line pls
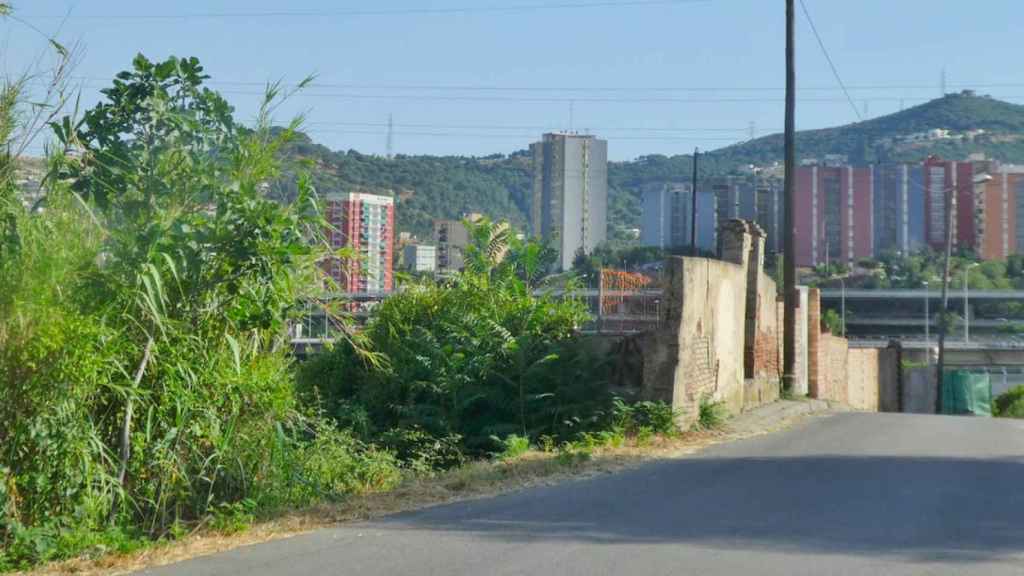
(422, 451)
(476, 359)
(144, 380)
(1010, 404)
(658, 417)
(712, 415)
(513, 446)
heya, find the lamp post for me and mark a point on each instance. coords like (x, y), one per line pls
(967, 309)
(842, 305)
(950, 207)
(927, 329)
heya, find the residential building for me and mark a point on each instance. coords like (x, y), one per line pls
(734, 198)
(898, 208)
(833, 214)
(570, 193)
(419, 258)
(998, 204)
(1013, 175)
(770, 211)
(666, 216)
(364, 223)
(451, 238)
(950, 183)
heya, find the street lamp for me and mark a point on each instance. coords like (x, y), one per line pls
(967, 309)
(842, 283)
(927, 325)
(951, 195)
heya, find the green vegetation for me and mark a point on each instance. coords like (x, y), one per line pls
(430, 187)
(468, 362)
(144, 376)
(1010, 404)
(146, 386)
(863, 141)
(831, 320)
(891, 270)
(712, 414)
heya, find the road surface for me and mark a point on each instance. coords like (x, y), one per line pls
(873, 494)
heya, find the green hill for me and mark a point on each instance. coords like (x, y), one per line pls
(880, 139)
(428, 187)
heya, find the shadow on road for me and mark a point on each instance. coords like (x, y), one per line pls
(917, 509)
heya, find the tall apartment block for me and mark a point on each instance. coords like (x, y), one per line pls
(666, 216)
(770, 211)
(998, 204)
(570, 193)
(365, 223)
(734, 198)
(420, 258)
(833, 214)
(451, 238)
(898, 208)
(943, 178)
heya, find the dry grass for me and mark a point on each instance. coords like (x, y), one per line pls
(476, 480)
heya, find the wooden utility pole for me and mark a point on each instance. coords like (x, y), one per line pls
(693, 206)
(789, 249)
(944, 318)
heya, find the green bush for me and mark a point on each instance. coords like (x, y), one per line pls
(476, 359)
(658, 417)
(513, 447)
(144, 376)
(712, 415)
(1010, 404)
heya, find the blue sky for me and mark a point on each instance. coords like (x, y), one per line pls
(651, 77)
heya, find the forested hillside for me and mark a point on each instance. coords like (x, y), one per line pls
(430, 187)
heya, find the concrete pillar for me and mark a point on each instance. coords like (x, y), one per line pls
(814, 342)
(734, 242)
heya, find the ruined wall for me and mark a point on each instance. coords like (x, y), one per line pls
(763, 346)
(862, 378)
(743, 243)
(698, 353)
(721, 332)
(863, 385)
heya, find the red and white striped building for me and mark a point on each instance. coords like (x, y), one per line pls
(364, 223)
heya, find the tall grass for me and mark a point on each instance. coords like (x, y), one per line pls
(144, 384)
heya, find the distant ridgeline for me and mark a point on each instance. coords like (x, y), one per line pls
(427, 187)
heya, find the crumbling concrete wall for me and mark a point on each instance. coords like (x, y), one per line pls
(862, 378)
(919, 389)
(720, 330)
(696, 354)
(720, 339)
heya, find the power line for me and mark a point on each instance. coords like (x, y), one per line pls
(530, 135)
(495, 88)
(384, 12)
(831, 64)
(521, 127)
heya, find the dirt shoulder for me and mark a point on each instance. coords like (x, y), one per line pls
(476, 480)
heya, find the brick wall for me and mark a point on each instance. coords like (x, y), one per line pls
(862, 378)
(814, 349)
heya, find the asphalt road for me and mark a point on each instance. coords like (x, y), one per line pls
(846, 494)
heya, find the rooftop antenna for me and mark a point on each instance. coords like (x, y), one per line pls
(391, 137)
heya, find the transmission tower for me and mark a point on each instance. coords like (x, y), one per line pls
(942, 82)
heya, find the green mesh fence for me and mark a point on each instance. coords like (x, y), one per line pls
(966, 392)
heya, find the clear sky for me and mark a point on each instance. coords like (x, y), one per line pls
(476, 77)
